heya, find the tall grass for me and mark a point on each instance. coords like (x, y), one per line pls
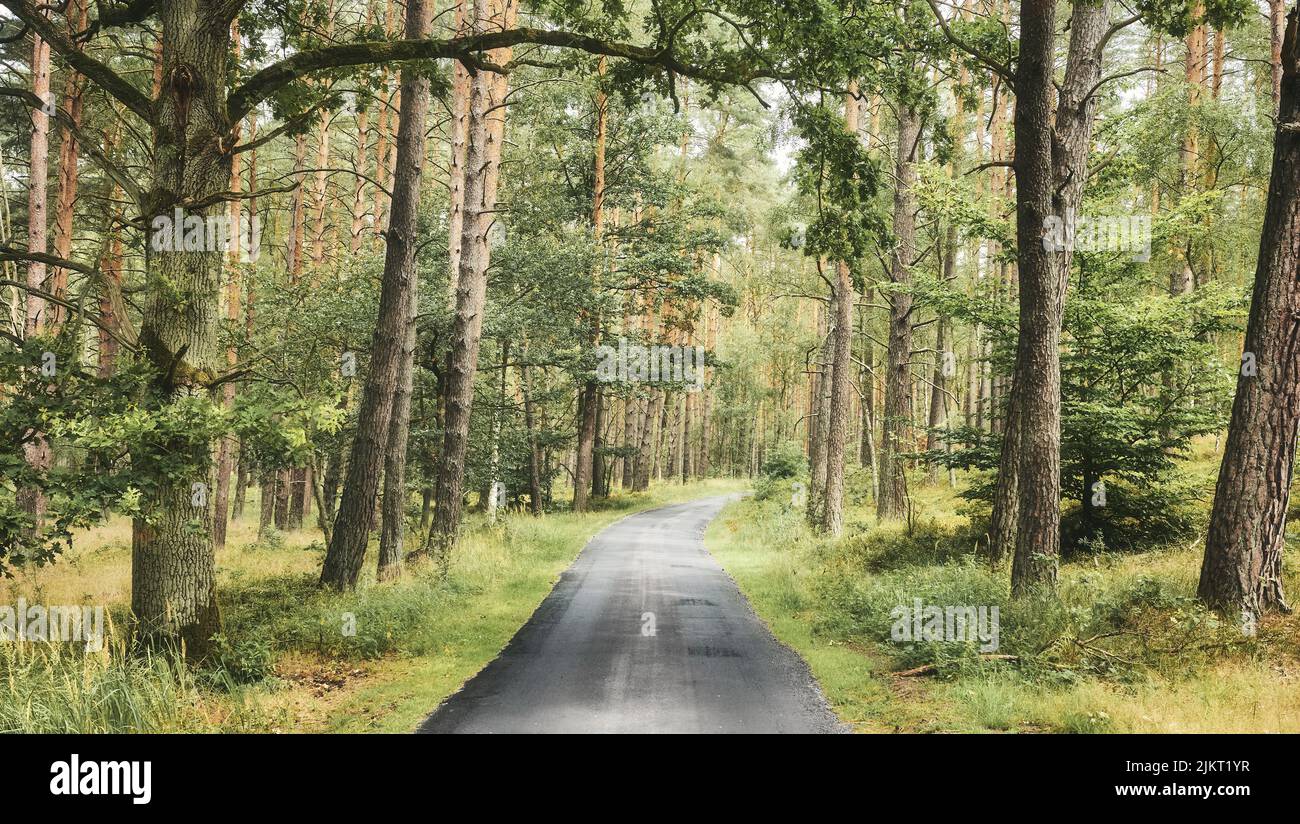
(1125, 645)
(50, 688)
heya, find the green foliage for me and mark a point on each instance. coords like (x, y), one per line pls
(835, 172)
(785, 460)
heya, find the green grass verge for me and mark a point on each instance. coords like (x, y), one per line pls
(1124, 648)
(285, 662)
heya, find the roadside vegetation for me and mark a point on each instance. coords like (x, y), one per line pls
(1125, 647)
(283, 662)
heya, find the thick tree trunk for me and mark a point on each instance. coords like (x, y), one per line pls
(1242, 569)
(1051, 168)
(347, 549)
(1037, 375)
(892, 501)
(588, 403)
(172, 571)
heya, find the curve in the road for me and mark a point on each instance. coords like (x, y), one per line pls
(644, 633)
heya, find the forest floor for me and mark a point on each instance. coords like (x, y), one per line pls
(285, 664)
(1127, 648)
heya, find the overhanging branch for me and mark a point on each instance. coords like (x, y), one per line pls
(274, 77)
(99, 73)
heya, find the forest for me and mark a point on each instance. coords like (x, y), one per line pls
(334, 330)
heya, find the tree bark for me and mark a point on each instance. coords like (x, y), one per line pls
(485, 133)
(36, 450)
(892, 501)
(832, 521)
(347, 549)
(173, 595)
(1242, 568)
(392, 529)
(1051, 168)
(65, 205)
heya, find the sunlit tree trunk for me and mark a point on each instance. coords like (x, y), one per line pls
(485, 133)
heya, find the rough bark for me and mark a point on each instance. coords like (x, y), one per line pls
(1242, 568)
(485, 133)
(173, 596)
(347, 549)
(392, 528)
(1051, 168)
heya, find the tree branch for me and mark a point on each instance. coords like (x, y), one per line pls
(99, 73)
(274, 77)
(997, 67)
(91, 147)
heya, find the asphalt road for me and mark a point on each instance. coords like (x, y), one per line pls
(644, 633)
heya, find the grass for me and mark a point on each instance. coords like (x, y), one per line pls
(286, 664)
(1125, 648)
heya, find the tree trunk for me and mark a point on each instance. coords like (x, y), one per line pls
(534, 452)
(66, 202)
(1051, 168)
(599, 483)
(588, 402)
(832, 521)
(485, 133)
(347, 549)
(392, 529)
(36, 450)
(1242, 569)
(1277, 30)
(226, 450)
(460, 92)
(892, 502)
(172, 571)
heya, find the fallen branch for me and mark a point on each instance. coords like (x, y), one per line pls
(931, 669)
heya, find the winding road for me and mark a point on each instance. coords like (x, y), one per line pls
(644, 633)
